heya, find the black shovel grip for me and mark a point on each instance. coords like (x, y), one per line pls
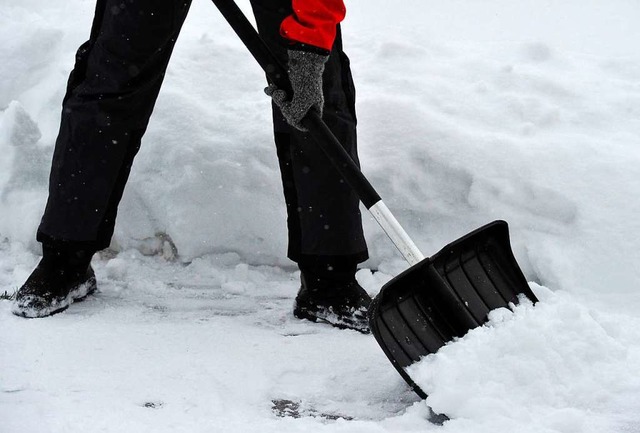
(318, 130)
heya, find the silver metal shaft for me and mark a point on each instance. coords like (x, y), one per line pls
(396, 233)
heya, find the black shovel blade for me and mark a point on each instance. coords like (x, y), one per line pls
(445, 296)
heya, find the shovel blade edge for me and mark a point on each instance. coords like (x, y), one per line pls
(446, 295)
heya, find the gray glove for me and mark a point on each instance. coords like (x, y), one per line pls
(305, 73)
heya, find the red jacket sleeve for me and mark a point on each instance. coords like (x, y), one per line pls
(313, 22)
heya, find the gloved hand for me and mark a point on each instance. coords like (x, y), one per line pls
(305, 73)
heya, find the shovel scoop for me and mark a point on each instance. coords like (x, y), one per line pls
(444, 296)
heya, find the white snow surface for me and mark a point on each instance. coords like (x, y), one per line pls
(525, 111)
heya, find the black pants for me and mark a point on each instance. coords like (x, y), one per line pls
(111, 94)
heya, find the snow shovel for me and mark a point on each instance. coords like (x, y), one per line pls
(437, 299)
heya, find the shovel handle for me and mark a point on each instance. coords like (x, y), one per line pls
(321, 134)
(367, 194)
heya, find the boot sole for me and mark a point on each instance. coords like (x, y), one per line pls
(76, 295)
(304, 314)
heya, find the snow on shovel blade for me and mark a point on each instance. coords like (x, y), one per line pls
(445, 296)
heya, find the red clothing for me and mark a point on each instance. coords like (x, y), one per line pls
(313, 22)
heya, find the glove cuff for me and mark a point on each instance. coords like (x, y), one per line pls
(311, 63)
(299, 46)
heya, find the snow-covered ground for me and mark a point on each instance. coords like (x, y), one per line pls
(526, 111)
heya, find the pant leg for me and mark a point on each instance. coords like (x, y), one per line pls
(110, 96)
(324, 218)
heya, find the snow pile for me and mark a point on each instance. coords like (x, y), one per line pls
(498, 120)
(468, 112)
(557, 367)
(23, 173)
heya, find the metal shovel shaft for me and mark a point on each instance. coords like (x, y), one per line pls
(351, 172)
(396, 233)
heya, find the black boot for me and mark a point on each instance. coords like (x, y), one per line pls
(333, 297)
(62, 277)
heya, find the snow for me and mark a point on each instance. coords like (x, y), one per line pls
(560, 366)
(468, 112)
